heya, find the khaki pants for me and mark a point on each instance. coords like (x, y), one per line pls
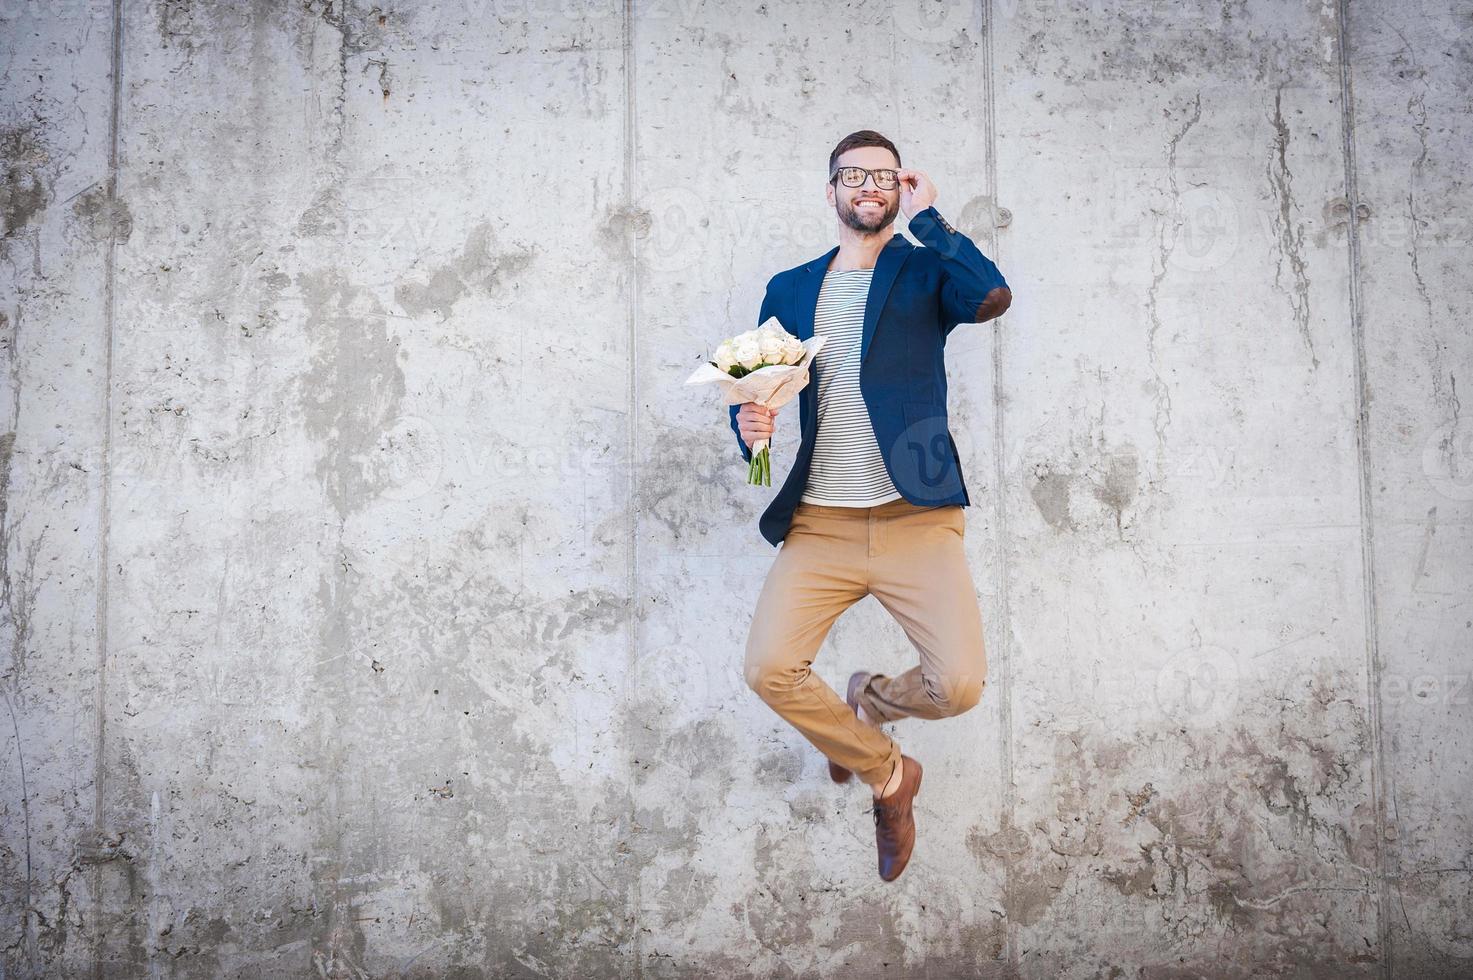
(911, 558)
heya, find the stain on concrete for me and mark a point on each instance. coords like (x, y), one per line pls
(701, 510)
(1032, 890)
(26, 189)
(999, 853)
(1050, 493)
(353, 388)
(1074, 830)
(19, 586)
(778, 768)
(1004, 846)
(1131, 883)
(1138, 801)
(586, 611)
(175, 24)
(17, 591)
(1117, 486)
(103, 216)
(484, 267)
(976, 218)
(697, 754)
(783, 862)
(1093, 487)
(621, 227)
(323, 217)
(339, 946)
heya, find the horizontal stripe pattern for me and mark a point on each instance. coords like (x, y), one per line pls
(847, 469)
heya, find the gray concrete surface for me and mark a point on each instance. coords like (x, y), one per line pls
(374, 594)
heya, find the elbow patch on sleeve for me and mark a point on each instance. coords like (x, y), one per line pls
(995, 305)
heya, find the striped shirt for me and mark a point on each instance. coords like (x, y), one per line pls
(847, 468)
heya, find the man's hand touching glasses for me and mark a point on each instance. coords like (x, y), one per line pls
(916, 192)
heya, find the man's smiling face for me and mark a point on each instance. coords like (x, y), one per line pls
(866, 207)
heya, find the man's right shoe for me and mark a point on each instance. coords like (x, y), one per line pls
(857, 681)
(895, 825)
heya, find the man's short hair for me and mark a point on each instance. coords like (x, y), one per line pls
(865, 137)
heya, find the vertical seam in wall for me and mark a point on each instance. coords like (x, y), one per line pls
(1004, 668)
(1363, 461)
(109, 315)
(635, 915)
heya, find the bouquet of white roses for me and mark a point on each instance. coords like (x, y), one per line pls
(768, 366)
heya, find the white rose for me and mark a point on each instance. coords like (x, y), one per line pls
(725, 358)
(748, 352)
(792, 350)
(772, 349)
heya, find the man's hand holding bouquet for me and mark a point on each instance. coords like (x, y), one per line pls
(768, 366)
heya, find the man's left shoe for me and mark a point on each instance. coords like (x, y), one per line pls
(895, 825)
(857, 681)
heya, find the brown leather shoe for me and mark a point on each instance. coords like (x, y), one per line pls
(895, 825)
(857, 680)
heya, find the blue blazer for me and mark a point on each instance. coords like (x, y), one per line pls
(917, 296)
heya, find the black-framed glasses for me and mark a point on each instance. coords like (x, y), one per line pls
(885, 178)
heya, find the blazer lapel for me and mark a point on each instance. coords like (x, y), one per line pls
(809, 282)
(887, 267)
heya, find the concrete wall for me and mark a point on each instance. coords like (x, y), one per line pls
(374, 594)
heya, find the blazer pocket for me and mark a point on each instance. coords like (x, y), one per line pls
(929, 454)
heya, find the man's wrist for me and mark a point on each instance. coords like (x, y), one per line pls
(918, 212)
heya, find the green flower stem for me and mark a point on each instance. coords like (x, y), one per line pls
(759, 469)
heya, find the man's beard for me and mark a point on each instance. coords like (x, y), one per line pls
(851, 216)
